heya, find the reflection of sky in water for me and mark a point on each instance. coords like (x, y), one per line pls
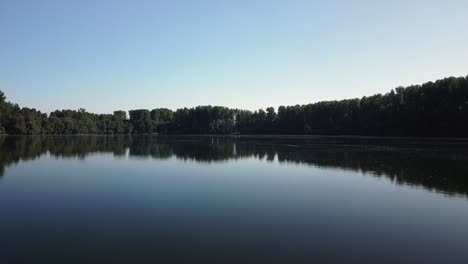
(431, 164)
(315, 206)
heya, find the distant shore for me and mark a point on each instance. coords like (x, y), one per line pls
(432, 110)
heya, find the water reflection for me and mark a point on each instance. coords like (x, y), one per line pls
(439, 165)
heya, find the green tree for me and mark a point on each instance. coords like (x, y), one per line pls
(119, 120)
(161, 118)
(437, 108)
(141, 121)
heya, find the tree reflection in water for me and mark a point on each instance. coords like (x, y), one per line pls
(434, 164)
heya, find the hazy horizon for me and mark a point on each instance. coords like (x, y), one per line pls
(123, 55)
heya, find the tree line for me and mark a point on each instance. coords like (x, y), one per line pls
(438, 109)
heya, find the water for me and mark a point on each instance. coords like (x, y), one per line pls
(148, 199)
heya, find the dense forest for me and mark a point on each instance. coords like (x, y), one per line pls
(438, 109)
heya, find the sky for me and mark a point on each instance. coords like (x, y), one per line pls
(106, 55)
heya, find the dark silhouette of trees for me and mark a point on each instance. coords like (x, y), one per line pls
(438, 109)
(2, 103)
(162, 118)
(203, 120)
(121, 124)
(141, 121)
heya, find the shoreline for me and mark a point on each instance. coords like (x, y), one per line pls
(254, 136)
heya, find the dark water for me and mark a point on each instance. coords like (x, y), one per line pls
(149, 199)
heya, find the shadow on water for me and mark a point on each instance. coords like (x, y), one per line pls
(438, 165)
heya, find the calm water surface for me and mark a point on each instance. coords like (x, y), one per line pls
(97, 199)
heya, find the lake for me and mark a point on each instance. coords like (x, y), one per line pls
(200, 199)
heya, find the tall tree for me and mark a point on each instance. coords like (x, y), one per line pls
(141, 121)
(2, 97)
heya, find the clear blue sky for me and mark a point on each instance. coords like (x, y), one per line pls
(106, 55)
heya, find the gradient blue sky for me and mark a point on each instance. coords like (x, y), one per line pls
(106, 55)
